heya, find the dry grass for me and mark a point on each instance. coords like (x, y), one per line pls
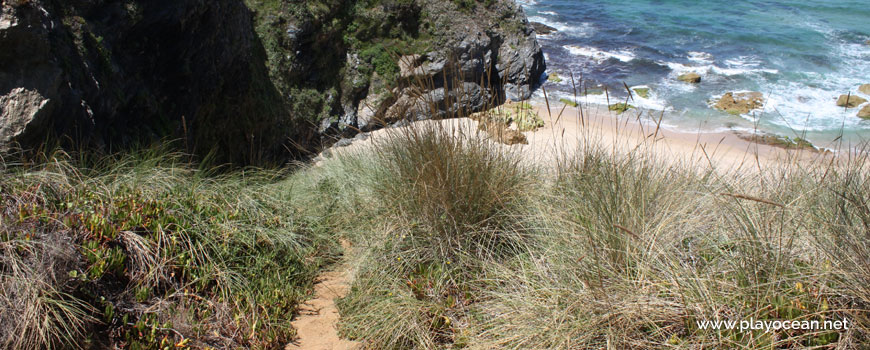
(615, 250)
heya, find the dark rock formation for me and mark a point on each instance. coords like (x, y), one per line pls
(542, 29)
(249, 80)
(113, 73)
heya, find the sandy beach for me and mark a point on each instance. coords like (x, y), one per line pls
(566, 130)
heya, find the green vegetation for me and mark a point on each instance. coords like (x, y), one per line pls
(642, 92)
(459, 243)
(554, 78)
(619, 108)
(780, 141)
(146, 251)
(522, 115)
(568, 102)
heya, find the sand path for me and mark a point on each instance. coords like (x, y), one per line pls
(316, 325)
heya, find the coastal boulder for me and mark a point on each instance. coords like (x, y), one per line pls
(740, 102)
(542, 29)
(850, 101)
(864, 112)
(864, 89)
(693, 78)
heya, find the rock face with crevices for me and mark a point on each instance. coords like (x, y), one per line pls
(251, 81)
(104, 74)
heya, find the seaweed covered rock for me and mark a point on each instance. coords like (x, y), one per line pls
(693, 78)
(740, 102)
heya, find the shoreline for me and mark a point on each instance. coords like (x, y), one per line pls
(625, 132)
(563, 135)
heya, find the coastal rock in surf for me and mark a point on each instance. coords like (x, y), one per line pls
(850, 101)
(642, 91)
(864, 112)
(740, 103)
(542, 29)
(693, 78)
(864, 89)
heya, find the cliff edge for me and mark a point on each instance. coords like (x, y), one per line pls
(251, 81)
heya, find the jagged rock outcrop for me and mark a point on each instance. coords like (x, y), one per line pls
(542, 29)
(476, 57)
(107, 74)
(248, 80)
(864, 112)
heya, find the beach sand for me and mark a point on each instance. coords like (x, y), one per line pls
(567, 131)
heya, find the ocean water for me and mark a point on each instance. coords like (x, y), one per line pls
(801, 54)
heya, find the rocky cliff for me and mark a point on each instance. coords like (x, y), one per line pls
(251, 81)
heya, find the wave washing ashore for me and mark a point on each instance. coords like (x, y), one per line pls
(801, 55)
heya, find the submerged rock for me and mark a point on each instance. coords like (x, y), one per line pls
(541, 28)
(850, 101)
(693, 78)
(619, 108)
(864, 89)
(740, 103)
(642, 92)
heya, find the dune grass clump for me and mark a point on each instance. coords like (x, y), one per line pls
(635, 253)
(447, 202)
(146, 252)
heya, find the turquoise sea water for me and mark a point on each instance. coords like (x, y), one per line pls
(801, 54)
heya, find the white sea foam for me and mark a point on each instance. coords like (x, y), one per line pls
(802, 107)
(598, 55)
(730, 70)
(582, 30)
(700, 57)
(549, 13)
(653, 102)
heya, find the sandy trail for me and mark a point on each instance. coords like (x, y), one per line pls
(316, 325)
